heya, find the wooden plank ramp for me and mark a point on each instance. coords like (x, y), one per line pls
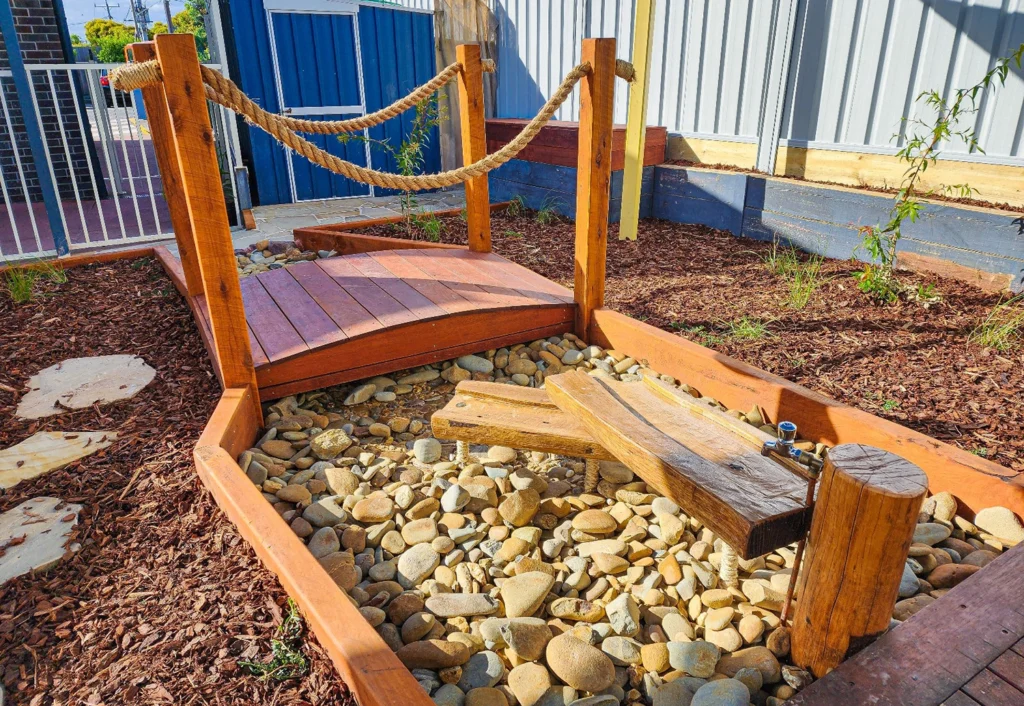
(334, 320)
(964, 649)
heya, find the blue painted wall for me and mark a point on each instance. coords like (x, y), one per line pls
(815, 218)
(397, 52)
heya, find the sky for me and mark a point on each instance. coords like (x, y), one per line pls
(81, 11)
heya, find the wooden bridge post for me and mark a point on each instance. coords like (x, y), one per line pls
(189, 120)
(863, 525)
(170, 173)
(593, 179)
(474, 145)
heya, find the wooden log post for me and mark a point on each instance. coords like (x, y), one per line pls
(593, 179)
(862, 528)
(474, 145)
(207, 210)
(170, 173)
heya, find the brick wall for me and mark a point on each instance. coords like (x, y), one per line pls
(39, 36)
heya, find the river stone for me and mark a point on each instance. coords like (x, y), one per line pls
(723, 692)
(342, 481)
(527, 636)
(341, 569)
(433, 654)
(674, 693)
(294, 494)
(727, 639)
(484, 669)
(324, 542)
(1000, 522)
(455, 498)
(325, 512)
(521, 366)
(416, 564)
(979, 558)
(675, 624)
(607, 546)
(950, 575)
(426, 450)
(624, 615)
(419, 377)
(524, 593)
(476, 364)
(529, 682)
(594, 522)
(331, 444)
(576, 609)
(486, 696)
(374, 510)
(907, 607)
(520, 507)
(360, 395)
(419, 531)
(698, 659)
(760, 658)
(578, 664)
(454, 605)
(945, 506)
(930, 533)
(449, 695)
(79, 383)
(623, 651)
(909, 583)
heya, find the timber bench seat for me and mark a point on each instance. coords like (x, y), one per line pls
(338, 319)
(688, 451)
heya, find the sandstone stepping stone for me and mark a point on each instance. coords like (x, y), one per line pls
(579, 664)
(524, 593)
(35, 535)
(461, 605)
(78, 383)
(1000, 522)
(698, 659)
(44, 451)
(723, 692)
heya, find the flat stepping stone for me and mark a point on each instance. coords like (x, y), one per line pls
(78, 383)
(34, 536)
(47, 450)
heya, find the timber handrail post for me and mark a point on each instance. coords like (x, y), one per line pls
(593, 179)
(189, 120)
(170, 171)
(863, 525)
(474, 145)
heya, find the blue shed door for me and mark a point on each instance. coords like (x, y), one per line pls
(319, 77)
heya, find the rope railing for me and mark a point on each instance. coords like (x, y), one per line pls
(223, 91)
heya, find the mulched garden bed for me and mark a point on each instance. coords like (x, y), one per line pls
(165, 598)
(906, 363)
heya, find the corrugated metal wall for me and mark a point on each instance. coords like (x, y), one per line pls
(856, 65)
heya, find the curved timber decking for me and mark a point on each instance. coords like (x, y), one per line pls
(339, 319)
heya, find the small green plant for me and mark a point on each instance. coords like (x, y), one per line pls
(462, 215)
(890, 405)
(430, 224)
(980, 451)
(922, 149)
(21, 281)
(509, 233)
(516, 207)
(548, 212)
(705, 337)
(746, 329)
(804, 280)
(410, 154)
(781, 261)
(287, 660)
(1003, 328)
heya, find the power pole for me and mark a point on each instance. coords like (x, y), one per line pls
(141, 14)
(106, 4)
(170, 21)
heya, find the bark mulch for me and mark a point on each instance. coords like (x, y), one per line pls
(906, 363)
(164, 598)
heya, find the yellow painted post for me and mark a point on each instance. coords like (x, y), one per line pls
(636, 123)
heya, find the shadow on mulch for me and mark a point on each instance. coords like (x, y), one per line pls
(902, 362)
(165, 598)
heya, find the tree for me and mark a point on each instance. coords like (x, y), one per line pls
(157, 28)
(191, 20)
(76, 41)
(110, 50)
(100, 28)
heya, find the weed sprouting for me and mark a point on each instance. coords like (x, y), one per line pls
(1003, 328)
(287, 660)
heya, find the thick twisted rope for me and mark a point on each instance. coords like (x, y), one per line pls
(223, 91)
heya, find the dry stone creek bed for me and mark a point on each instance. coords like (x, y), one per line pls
(498, 581)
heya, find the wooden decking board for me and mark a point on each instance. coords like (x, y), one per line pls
(272, 328)
(529, 281)
(960, 699)
(988, 689)
(421, 306)
(387, 310)
(937, 652)
(258, 356)
(315, 326)
(449, 300)
(345, 311)
(1010, 668)
(453, 279)
(498, 282)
